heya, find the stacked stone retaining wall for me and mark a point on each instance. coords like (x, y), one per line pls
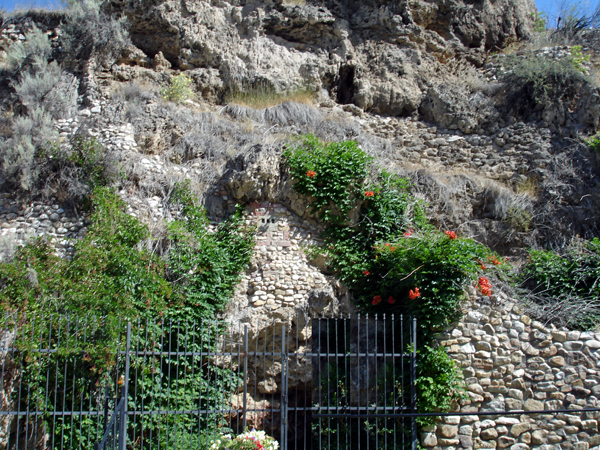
(511, 362)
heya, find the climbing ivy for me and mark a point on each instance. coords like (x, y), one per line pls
(379, 243)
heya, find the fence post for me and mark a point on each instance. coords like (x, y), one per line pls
(123, 422)
(284, 390)
(413, 387)
(105, 425)
(245, 398)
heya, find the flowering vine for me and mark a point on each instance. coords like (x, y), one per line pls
(451, 234)
(414, 293)
(485, 286)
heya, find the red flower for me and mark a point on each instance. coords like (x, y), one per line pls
(391, 300)
(393, 248)
(482, 265)
(485, 286)
(310, 173)
(367, 273)
(376, 300)
(414, 293)
(495, 260)
(408, 233)
(451, 234)
(369, 194)
(483, 281)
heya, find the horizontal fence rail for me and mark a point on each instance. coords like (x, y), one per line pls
(83, 383)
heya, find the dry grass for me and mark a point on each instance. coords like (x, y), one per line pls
(294, 2)
(462, 73)
(264, 96)
(529, 186)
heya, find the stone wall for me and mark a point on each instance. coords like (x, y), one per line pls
(20, 222)
(511, 362)
(281, 274)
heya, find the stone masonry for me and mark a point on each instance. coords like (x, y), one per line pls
(282, 274)
(511, 362)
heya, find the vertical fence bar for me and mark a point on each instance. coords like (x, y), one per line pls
(296, 347)
(358, 377)
(202, 334)
(337, 383)
(376, 381)
(413, 387)
(347, 401)
(125, 390)
(284, 389)
(245, 395)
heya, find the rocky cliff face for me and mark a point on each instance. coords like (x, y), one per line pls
(397, 78)
(381, 57)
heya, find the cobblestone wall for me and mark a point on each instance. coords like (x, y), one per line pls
(282, 274)
(511, 362)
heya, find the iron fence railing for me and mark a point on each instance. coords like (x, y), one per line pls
(82, 383)
(114, 435)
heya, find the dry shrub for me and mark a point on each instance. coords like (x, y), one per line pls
(264, 95)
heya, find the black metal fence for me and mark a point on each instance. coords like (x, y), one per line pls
(73, 383)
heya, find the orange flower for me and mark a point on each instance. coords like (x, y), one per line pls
(310, 173)
(483, 281)
(485, 286)
(391, 300)
(366, 272)
(482, 265)
(451, 234)
(393, 248)
(414, 293)
(495, 260)
(376, 300)
(369, 194)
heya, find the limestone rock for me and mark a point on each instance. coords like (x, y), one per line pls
(376, 57)
(160, 63)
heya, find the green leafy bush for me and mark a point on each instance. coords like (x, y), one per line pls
(423, 275)
(535, 81)
(333, 175)
(109, 274)
(539, 21)
(388, 255)
(114, 277)
(572, 276)
(179, 89)
(206, 266)
(594, 142)
(439, 383)
(578, 59)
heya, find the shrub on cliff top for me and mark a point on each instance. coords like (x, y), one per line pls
(566, 286)
(89, 32)
(532, 82)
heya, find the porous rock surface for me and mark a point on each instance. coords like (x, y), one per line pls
(379, 56)
(467, 158)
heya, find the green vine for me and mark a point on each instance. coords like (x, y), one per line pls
(379, 243)
(114, 277)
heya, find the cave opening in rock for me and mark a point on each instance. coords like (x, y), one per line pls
(345, 89)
